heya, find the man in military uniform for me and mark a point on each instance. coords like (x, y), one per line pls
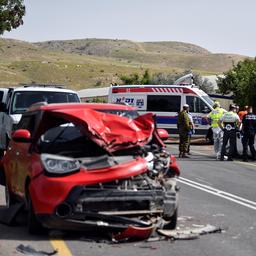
(229, 123)
(249, 130)
(214, 117)
(184, 127)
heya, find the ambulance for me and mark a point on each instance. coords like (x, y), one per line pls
(166, 101)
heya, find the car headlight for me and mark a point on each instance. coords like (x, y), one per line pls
(59, 164)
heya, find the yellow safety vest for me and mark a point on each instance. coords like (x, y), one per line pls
(215, 116)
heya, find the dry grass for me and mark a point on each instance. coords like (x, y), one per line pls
(86, 63)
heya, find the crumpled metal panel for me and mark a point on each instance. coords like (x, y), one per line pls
(109, 131)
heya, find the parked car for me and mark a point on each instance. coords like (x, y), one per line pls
(18, 99)
(76, 168)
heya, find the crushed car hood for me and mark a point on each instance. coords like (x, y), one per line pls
(109, 131)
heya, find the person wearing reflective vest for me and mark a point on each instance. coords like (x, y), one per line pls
(249, 130)
(214, 117)
(229, 123)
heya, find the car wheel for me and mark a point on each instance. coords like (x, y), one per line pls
(34, 226)
(172, 221)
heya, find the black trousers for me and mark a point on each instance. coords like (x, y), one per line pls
(228, 136)
(248, 140)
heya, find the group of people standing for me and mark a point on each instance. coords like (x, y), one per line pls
(226, 127)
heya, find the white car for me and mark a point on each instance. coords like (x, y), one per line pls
(18, 100)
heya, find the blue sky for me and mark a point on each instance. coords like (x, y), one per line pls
(217, 25)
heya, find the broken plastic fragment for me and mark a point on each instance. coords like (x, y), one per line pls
(28, 250)
(134, 233)
(187, 234)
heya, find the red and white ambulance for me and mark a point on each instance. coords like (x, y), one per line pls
(165, 101)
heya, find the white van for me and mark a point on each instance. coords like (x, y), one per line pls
(166, 101)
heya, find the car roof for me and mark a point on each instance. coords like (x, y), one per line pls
(42, 89)
(95, 106)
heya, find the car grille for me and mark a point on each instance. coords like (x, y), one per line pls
(137, 183)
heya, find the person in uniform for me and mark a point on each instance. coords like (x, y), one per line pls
(243, 112)
(229, 123)
(213, 118)
(184, 127)
(249, 130)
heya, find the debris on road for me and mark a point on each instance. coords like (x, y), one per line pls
(28, 250)
(188, 234)
(134, 233)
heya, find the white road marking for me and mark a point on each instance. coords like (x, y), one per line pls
(231, 197)
(203, 181)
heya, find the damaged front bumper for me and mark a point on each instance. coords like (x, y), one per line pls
(90, 207)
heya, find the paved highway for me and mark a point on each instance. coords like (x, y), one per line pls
(212, 192)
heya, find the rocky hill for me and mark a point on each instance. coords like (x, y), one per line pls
(98, 62)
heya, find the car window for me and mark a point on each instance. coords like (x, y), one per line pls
(23, 100)
(208, 100)
(163, 103)
(196, 105)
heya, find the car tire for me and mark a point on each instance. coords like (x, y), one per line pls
(172, 221)
(34, 226)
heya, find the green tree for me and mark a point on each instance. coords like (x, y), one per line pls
(241, 82)
(162, 78)
(136, 78)
(167, 79)
(11, 14)
(202, 83)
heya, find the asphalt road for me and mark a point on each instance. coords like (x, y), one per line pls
(212, 192)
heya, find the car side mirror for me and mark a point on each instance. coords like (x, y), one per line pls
(163, 134)
(21, 135)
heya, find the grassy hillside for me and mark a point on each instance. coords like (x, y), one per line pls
(98, 62)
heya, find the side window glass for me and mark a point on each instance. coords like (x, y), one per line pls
(192, 102)
(203, 108)
(196, 105)
(163, 103)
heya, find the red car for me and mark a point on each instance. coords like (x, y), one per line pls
(77, 168)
